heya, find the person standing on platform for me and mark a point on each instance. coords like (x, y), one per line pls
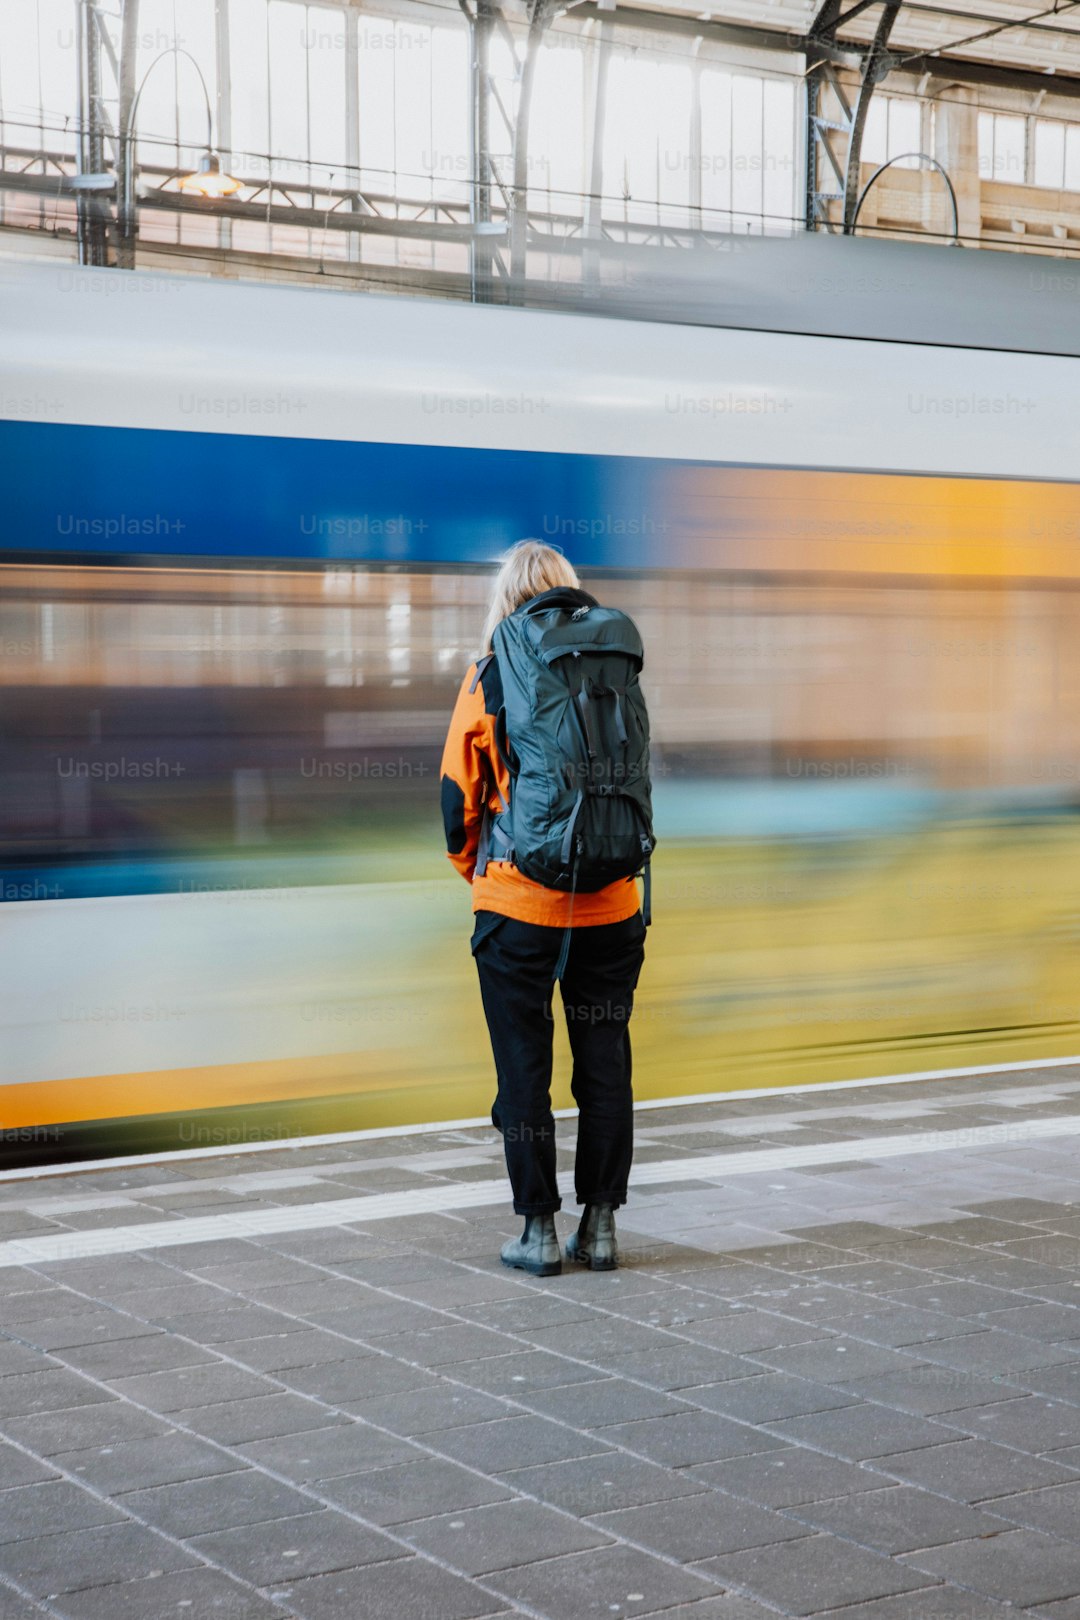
(547, 811)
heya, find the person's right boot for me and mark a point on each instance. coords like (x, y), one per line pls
(593, 1244)
(536, 1250)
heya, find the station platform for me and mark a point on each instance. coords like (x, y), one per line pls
(838, 1374)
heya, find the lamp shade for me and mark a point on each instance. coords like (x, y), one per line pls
(209, 179)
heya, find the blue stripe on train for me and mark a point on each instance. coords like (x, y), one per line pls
(163, 493)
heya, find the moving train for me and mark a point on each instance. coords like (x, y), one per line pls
(245, 540)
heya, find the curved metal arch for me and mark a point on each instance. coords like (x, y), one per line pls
(899, 158)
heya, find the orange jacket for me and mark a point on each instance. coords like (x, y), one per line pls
(472, 769)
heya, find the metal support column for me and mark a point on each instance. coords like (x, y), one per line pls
(825, 53)
(541, 13)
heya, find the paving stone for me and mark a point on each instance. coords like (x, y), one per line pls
(689, 1528)
(1060, 1383)
(263, 1417)
(1029, 1423)
(27, 1393)
(22, 1358)
(278, 1352)
(408, 1587)
(45, 1509)
(528, 1370)
(767, 1397)
(104, 1555)
(422, 1411)
(1051, 1324)
(372, 1314)
(861, 1432)
(901, 1325)
(229, 1320)
(814, 1573)
(827, 1360)
(598, 1402)
(932, 1603)
(123, 1358)
(974, 1470)
(531, 1310)
(184, 1387)
(1021, 1566)
(194, 1592)
(356, 1379)
(597, 1339)
(729, 1606)
(516, 1442)
(682, 1365)
(286, 1549)
(689, 1438)
(611, 1480)
(1055, 1510)
(582, 1583)
(750, 1331)
(82, 1427)
(16, 1468)
(786, 1478)
(929, 1390)
(14, 1607)
(159, 1460)
(84, 1327)
(502, 1536)
(412, 1490)
(995, 1352)
(327, 1453)
(900, 1519)
(957, 1299)
(196, 1506)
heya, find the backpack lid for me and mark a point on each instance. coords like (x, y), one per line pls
(561, 596)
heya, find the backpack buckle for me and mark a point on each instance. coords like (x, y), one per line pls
(579, 614)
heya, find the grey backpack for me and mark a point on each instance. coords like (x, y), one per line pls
(573, 733)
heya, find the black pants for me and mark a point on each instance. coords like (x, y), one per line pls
(516, 961)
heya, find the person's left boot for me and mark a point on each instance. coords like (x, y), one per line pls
(594, 1244)
(536, 1250)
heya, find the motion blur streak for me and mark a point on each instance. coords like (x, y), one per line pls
(223, 783)
(230, 641)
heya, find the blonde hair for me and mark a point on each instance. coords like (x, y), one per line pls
(528, 569)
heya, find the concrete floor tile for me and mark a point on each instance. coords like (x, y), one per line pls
(102, 1556)
(862, 1432)
(502, 1536)
(51, 1507)
(591, 1485)
(287, 1549)
(196, 1506)
(194, 1592)
(407, 1587)
(786, 1478)
(1020, 1566)
(814, 1574)
(690, 1438)
(416, 1489)
(974, 1470)
(159, 1460)
(900, 1519)
(328, 1453)
(695, 1527)
(569, 1587)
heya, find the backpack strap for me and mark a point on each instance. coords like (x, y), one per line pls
(482, 664)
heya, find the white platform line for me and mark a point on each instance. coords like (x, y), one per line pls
(436, 1127)
(166, 1234)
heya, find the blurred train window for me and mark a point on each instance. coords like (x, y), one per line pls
(1057, 154)
(1002, 148)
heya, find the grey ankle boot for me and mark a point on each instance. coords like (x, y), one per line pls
(536, 1250)
(593, 1244)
